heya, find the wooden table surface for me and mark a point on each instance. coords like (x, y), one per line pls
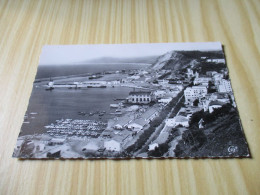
(27, 25)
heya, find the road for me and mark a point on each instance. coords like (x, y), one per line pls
(158, 129)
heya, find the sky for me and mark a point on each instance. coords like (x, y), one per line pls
(69, 54)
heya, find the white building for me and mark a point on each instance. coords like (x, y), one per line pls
(194, 92)
(202, 81)
(91, 146)
(190, 73)
(178, 120)
(153, 146)
(123, 121)
(221, 60)
(211, 73)
(112, 145)
(214, 97)
(135, 127)
(118, 127)
(159, 93)
(224, 86)
(165, 100)
(140, 97)
(215, 105)
(217, 78)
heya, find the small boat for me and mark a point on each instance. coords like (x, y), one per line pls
(82, 113)
(114, 105)
(49, 89)
(95, 77)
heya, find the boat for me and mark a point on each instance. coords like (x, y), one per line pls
(82, 113)
(114, 105)
(95, 77)
(97, 86)
(49, 89)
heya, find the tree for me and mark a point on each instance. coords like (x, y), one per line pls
(195, 118)
(196, 102)
(159, 151)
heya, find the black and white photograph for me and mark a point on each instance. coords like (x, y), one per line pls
(123, 101)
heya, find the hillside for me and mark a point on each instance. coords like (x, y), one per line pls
(178, 60)
(111, 60)
(221, 136)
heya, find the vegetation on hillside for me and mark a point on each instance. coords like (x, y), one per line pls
(222, 135)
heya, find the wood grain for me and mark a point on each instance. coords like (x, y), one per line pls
(27, 25)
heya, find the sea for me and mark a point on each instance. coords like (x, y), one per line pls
(45, 107)
(47, 71)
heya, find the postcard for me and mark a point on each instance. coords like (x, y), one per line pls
(123, 101)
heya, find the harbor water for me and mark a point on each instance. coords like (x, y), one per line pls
(46, 107)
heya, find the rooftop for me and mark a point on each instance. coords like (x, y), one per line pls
(181, 119)
(216, 103)
(124, 120)
(141, 122)
(140, 93)
(91, 146)
(149, 113)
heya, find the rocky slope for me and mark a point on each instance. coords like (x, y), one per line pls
(173, 60)
(178, 60)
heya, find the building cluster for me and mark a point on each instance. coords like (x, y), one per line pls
(138, 119)
(198, 97)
